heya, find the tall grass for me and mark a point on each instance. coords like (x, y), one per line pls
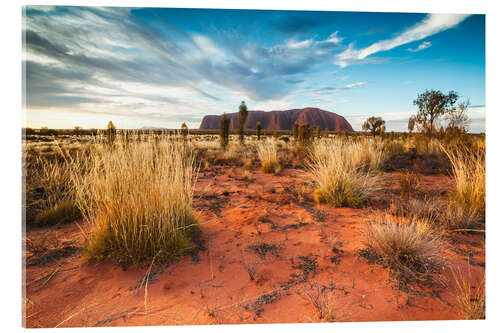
(469, 174)
(471, 300)
(411, 249)
(268, 156)
(344, 171)
(49, 194)
(137, 199)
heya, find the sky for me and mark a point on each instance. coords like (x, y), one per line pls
(160, 67)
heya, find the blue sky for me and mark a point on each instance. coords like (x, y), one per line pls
(162, 66)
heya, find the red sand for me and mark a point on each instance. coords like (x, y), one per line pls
(217, 289)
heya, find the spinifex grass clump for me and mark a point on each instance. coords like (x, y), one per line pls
(62, 212)
(49, 194)
(268, 156)
(138, 201)
(469, 174)
(344, 171)
(471, 299)
(412, 249)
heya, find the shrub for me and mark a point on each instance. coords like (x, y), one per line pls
(242, 118)
(305, 134)
(184, 131)
(268, 156)
(224, 131)
(322, 299)
(412, 250)
(469, 174)
(62, 212)
(258, 128)
(138, 202)
(408, 183)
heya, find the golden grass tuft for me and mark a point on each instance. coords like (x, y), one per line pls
(268, 156)
(138, 202)
(412, 250)
(344, 171)
(470, 298)
(469, 174)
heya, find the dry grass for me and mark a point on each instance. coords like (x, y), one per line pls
(268, 156)
(470, 298)
(469, 174)
(138, 201)
(344, 171)
(408, 183)
(61, 212)
(322, 299)
(412, 250)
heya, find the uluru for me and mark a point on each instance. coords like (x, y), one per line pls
(284, 120)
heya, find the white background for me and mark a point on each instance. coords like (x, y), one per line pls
(10, 184)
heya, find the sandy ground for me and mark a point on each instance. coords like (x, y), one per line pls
(298, 244)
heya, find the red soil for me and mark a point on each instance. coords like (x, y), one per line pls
(235, 214)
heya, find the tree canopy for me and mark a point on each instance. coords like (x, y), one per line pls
(376, 125)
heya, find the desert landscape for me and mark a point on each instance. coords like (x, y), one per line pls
(215, 166)
(277, 229)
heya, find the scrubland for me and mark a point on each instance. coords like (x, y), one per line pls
(157, 229)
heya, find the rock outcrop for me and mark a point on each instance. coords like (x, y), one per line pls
(284, 120)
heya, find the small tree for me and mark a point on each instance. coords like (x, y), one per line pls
(305, 134)
(184, 131)
(77, 130)
(376, 125)
(224, 131)
(411, 124)
(258, 127)
(433, 104)
(295, 131)
(458, 120)
(111, 132)
(242, 118)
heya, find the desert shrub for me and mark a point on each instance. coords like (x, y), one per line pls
(268, 156)
(62, 212)
(460, 218)
(440, 215)
(408, 183)
(322, 299)
(224, 131)
(284, 138)
(469, 174)
(471, 300)
(343, 172)
(138, 202)
(412, 250)
(394, 147)
(305, 134)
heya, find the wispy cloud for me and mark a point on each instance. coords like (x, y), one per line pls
(421, 47)
(432, 24)
(329, 90)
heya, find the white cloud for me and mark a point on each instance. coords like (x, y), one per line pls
(299, 45)
(432, 24)
(421, 47)
(355, 85)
